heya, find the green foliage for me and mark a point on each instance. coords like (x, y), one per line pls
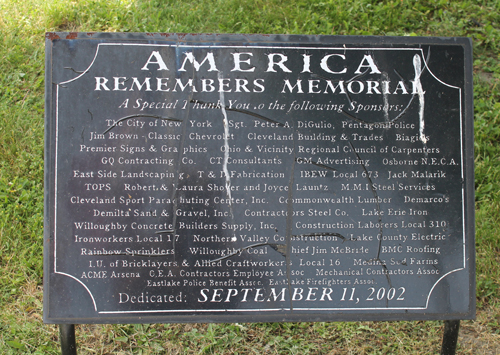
(22, 28)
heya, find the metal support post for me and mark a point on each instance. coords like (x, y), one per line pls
(68, 340)
(450, 337)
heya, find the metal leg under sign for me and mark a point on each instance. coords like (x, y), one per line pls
(68, 341)
(450, 337)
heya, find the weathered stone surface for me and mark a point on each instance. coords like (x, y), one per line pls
(255, 178)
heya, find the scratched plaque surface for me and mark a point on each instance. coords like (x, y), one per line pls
(215, 178)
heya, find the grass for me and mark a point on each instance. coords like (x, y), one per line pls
(22, 28)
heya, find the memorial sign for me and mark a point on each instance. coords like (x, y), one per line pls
(216, 178)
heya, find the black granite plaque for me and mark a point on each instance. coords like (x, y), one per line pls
(215, 178)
